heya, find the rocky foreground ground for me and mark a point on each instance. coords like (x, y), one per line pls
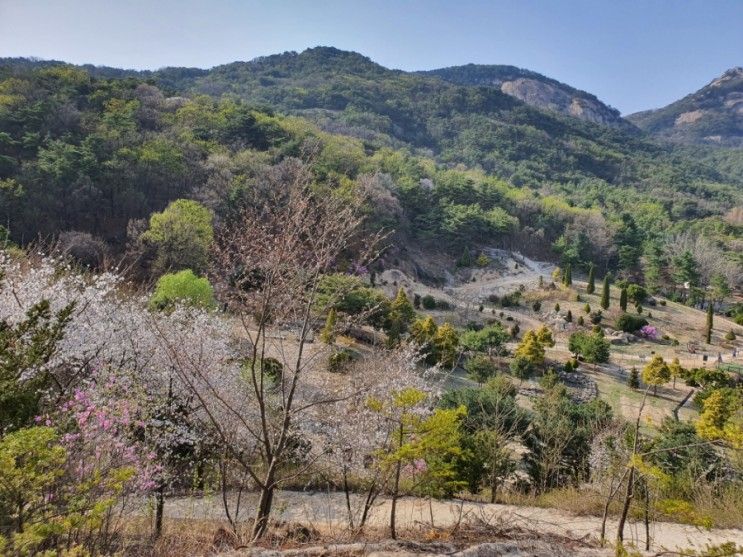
(459, 528)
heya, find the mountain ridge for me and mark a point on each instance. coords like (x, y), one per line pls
(712, 115)
(536, 90)
(530, 87)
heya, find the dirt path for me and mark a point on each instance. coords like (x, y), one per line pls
(327, 511)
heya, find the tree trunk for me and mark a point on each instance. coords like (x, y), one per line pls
(393, 509)
(396, 489)
(159, 509)
(631, 481)
(371, 496)
(680, 405)
(647, 518)
(493, 488)
(629, 494)
(602, 537)
(346, 490)
(612, 492)
(20, 517)
(262, 513)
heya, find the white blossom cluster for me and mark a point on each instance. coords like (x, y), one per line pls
(113, 329)
(202, 354)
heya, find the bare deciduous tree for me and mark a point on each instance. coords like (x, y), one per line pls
(270, 257)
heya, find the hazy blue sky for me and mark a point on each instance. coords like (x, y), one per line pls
(631, 54)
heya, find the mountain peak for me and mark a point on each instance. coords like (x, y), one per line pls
(730, 75)
(534, 89)
(711, 115)
(321, 59)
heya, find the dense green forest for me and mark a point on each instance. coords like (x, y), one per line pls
(96, 149)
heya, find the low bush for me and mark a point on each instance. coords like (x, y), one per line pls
(630, 323)
(339, 360)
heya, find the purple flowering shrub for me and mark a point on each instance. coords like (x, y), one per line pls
(649, 332)
(98, 432)
(101, 442)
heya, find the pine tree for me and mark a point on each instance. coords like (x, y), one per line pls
(717, 419)
(530, 349)
(400, 316)
(327, 335)
(676, 370)
(569, 317)
(591, 288)
(445, 343)
(568, 281)
(633, 381)
(655, 267)
(656, 372)
(402, 306)
(623, 299)
(466, 259)
(605, 293)
(545, 336)
(587, 308)
(710, 317)
(686, 269)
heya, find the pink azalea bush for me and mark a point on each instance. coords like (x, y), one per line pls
(649, 332)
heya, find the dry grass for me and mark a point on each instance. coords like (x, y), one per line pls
(186, 538)
(180, 538)
(723, 508)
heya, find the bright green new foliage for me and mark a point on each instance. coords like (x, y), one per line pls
(327, 335)
(31, 464)
(181, 235)
(593, 347)
(422, 448)
(656, 372)
(183, 287)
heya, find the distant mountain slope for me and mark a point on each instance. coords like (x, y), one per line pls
(89, 149)
(477, 125)
(712, 115)
(534, 89)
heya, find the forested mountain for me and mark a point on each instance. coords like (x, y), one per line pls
(535, 90)
(712, 115)
(96, 149)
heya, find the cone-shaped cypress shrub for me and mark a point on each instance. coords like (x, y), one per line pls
(710, 317)
(623, 299)
(591, 288)
(605, 293)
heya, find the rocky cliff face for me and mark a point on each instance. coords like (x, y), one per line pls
(536, 90)
(548, 96)
(712, 115)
